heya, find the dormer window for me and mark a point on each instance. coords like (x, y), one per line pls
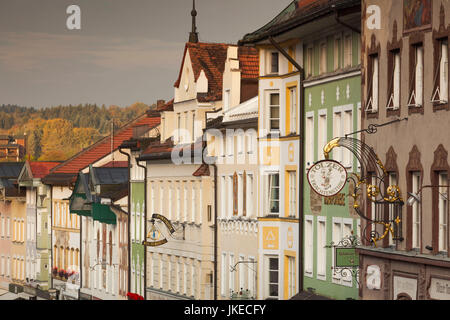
(274, 62)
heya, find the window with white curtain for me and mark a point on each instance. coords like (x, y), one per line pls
(443, 211)
(231, 274)
(348, 50)
(309, 241)
(292, 193)
(309, 139)
(337, 132)
(241, 273)
(392, 182)
(416, 219)
(249, 195)
(321, 250)
(291, 276)
(223, 275)
(178, 201)
(293, 109)
(170, 214)
(194, 201)
(322, 138)
(416, 96)
(443, 65)
(240, 195)
(274, 193)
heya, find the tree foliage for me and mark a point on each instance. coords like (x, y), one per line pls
(57, 133)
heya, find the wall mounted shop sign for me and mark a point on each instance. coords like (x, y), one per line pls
(327, 177)
(154, 235)
(346, 259)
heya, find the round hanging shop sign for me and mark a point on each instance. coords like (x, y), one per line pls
(327, 177)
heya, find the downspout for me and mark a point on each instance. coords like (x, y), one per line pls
(215, 211)
(301, 159)
(145, 227)
(128, 226)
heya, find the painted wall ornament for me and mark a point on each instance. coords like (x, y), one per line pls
(416, 15)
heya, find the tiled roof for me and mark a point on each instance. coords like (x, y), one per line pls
(203, 170)
(248, 62)
(209, 57)
(168, 106)
(100, 149)
(40, 169)
(298, 12)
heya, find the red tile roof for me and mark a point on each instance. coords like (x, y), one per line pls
(168, 106)
(203, 170)
(209, 57)
(40, 169)
(248, 62)
(103, 147)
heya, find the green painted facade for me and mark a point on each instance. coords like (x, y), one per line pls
(137, 199)
(319, 97)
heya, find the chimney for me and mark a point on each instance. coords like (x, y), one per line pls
(160, 103)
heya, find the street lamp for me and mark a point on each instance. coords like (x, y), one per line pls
(415, 197)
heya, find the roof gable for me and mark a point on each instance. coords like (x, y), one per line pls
(209, 57)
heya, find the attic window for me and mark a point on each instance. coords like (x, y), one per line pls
(274, 62)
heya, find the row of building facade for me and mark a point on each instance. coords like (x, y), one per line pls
(207, 197)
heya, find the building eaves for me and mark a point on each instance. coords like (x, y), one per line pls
(298, 13)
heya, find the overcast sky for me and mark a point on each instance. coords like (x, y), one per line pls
(126, 50)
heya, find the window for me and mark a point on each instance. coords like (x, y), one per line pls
(223, 200)
(251, 276)
(185, 200)
(291, 276)
(194, 201)
(274, 110)
(347, 128)
(322, 139)
(230, 197)
(241, 273)
(179, 127)
(273, 277)
(3, 227)
(416, 214)
(226, 102)
(274, 193)
(337, 53)
(309, 61)
(240, 194)
(274, 62)
(293, 110)
(292, 193)
(321, 250)
(309, 152)
(249, 195)
(223, 275)
(161, 197)
(372, 102)
(392, 182)
(394, 81)
(342, 228)
(309, 246)
(231, 273)
(323, 58)
(348, 51)
(441, 75)
(416, 95)
(337, 132)
(178, 202)
(171, 216)
(193, 126)
(443, 211)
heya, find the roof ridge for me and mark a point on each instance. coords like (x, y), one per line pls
(99, 142)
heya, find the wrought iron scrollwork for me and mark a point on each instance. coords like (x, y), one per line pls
(387, 201)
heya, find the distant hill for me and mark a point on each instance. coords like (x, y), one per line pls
(57, 133)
